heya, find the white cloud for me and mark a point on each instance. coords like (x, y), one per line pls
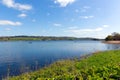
(74, 27)
(34, 20)
(64, 3)
(11, 23)
(86, 17)
(85, 8)
(76, 10)
(95, 32)
(72, 20)
(22, 15)
(105, 26)
(18, 6)
(88, 32)
(85, 30)
(57, 25)
(48, 14)
(7, 29)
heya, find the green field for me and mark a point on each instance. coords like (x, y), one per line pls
(99, 66)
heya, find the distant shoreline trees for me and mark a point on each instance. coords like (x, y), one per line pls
(41, 38)
(113, 37)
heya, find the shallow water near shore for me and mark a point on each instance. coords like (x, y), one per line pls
(18, 57)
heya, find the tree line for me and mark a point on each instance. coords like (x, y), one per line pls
(113, 37)
(43, 38)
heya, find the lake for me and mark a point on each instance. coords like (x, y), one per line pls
(18, 57)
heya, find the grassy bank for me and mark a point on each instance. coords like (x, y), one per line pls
(99, 66)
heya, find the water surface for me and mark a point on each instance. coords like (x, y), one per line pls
(17, 57)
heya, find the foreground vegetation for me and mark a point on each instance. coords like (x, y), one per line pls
(99, 66)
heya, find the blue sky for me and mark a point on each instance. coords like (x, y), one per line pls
(77, 18)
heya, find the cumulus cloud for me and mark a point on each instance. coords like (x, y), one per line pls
(18, 6)
(22, 15)
(76, 10)
(86, 17)
(9, 23)
(64, 3)
(93, 32)
(105, 26)
(57, 25)
(78, 31)
(85, 30)
(7, 29)
(34, 20)
(74, 27)
(48, 14)
(85, 8)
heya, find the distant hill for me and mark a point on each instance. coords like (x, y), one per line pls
(42, 38)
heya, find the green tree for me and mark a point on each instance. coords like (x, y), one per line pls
(109, 37)
(114, 36)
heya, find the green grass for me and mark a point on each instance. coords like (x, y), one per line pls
(99, 66)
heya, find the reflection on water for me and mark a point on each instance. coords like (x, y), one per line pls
(23, 56)
(113, 46)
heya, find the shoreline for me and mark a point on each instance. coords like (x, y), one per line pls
(61, 69)
(111, 42)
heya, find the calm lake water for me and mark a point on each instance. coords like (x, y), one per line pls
(17, 57)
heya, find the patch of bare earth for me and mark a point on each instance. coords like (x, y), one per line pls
(112, 42)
